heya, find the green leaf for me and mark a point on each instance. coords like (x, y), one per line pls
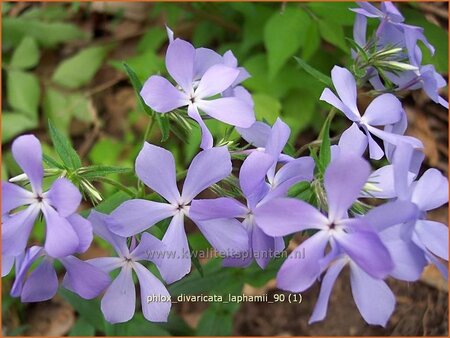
(334, 34)
(266, 107)
(284, 34)
(137, 326)
(313, 43)
(177, 326)
(63, 148)
(23, 92)
(314, 72)
(215, 323)
(214, 277)
(61, 108)
(112, 202)
(89, 310)
(51, 161)
(14, 124)
(337, 12)
(82, 328)
(196, 262)
(162, 120)
(152, 40)
(257, 277)
(46, 34)
(95, 171)
(79, 69)
(26, 55)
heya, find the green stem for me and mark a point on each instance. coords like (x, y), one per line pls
(116, 184)
(148, 130)
(318, 141)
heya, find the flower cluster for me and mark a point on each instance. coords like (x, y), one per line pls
(396, 54)
(393, 239)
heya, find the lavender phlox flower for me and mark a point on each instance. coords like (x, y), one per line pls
(64, 232)
(42, 283)
(119, 301)
(198, 95)
(351, 238)
(384, 110)
(429, 192)
(260, 135)
(257, 191)
(393, 32)
(155, 167)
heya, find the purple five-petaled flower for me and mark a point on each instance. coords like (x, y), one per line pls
(119, 301)
(155, 167)
(384, 110)
(259, 182)
(197, 94)
(66, 232)
(42, 283)
(350, 240)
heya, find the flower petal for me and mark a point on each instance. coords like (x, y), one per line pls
(252, 176)
(207, 168)
(374, 299)
(205, 58)
(180, 63)
(155, 166)
(178, 261)
(41, 284)
(329, 97)
(301, 268)
(119, 302)
(215, 80)
(98, 221)
(365, 248)
(152, 286)
(207, 139)
(283, 216)
(263, 247)
(384, 109)
(320, 309)
(226, 235)
(60, 240)
(409, 260)
(106, 264)
(257, 134)
(222, 207)
(85, 279)
(7, 264)
(375, 151)
(300, 169)
(344, 180)
(434, 236)
(27, 152)
(345, 86)
(135, 216)
(64, 197)
(14, 196)
(353, 140)
(83, 228)
(389, 214)
(279, 135)
(150, 249)
(160, 95)
(431, 190)
(230, 110)
(16, 230)
(23, 263)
